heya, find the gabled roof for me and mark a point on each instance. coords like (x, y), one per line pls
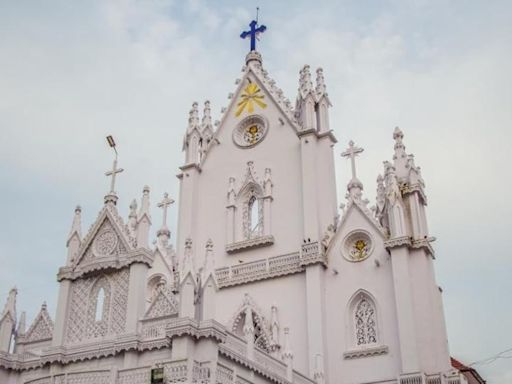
(163, 304)
(361, 206)
(108, 217)
(41, 328)
(253, 72)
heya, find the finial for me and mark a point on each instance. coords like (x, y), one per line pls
(188, 263)
(320, 82)
(164, 204)
(207, 118)
(144, 206)
(305, 83)
(354, 187)
(254, 32)
(193, 118)
(76, 225)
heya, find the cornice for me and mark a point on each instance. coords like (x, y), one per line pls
(140, 255)
(257, 242)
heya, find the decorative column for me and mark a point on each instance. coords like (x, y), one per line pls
(267, 200)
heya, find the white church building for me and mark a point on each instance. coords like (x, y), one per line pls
(270, 279)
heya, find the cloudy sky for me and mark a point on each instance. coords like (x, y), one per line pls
(73, 72)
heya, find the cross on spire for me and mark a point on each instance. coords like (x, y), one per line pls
(351, 152)
(113, 173)
(164, 204)
(253, 33)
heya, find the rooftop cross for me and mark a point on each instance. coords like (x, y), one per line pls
(113, 173)
(352, 151)
(253, 32)
(164, 204)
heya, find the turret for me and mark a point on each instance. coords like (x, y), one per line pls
(8, 321)
(75, 236)
(193, 138)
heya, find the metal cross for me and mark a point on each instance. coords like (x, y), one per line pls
(113, 173)
(352, 151)
(253, 33)
(164, 204)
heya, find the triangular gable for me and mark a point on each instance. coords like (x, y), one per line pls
(253, 73)
(365, 213)
(41, 328)
(164, 304)
(113, 237)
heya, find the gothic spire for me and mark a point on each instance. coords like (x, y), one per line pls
(193, 117)
(187, 266)
(22, 324)
(76, 228)
(305, 83)
(209, 262)
(132, 217)
(320, 83)
(400, 158)
(10, 305)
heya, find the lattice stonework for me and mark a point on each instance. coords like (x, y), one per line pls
(82, 324)
(365, 322)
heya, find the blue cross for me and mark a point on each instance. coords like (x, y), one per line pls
(253, 33)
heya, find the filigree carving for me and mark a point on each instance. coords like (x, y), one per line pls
(365, 322)
(82, 324)
(41, 328)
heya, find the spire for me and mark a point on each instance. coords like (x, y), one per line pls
(188, 263)
(76, 228)
(132, 217)
(10, 305)
(22, 324)
(305, 83)
(381, 198)
(193, 117)
(355, 186)
(143, 220)
(400, 158)
(209, 262)
(248, 330)
(164, 233)
(274, 328)
(320, 83)
(8, 321)
(206, 125)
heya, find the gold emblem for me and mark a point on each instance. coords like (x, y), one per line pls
(250, 96)
(360, 250)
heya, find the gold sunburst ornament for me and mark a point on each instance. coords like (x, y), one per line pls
(250, 96)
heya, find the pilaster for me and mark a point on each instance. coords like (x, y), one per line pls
(59, 329)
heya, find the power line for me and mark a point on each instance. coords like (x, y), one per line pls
(501, 355)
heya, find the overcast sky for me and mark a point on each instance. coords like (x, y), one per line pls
(72, 72)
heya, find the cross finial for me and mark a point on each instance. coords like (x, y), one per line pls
(253, 32)
(164, 204)
(113, 173)
(351, 152)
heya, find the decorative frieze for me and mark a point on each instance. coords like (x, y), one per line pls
(256, 242)
(366, 352)
(311, 253)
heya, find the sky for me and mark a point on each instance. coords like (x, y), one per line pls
(73, 72)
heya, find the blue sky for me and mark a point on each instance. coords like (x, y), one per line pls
(73, 72)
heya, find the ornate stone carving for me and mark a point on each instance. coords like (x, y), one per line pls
(105, 243)
(163, 304)
(365, 322)
(357, 246)
(41, 328)
(82, 324)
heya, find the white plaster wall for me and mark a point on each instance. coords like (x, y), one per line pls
(340, 288)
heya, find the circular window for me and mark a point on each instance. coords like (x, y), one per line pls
(357, 246)
(105, 243)
(250, 131)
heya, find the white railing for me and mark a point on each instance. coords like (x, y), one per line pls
(258, 270)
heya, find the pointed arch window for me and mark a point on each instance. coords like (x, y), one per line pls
(254, 216)
(365, 322)
(100, 304)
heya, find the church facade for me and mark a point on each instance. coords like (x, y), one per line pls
(270, 279)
